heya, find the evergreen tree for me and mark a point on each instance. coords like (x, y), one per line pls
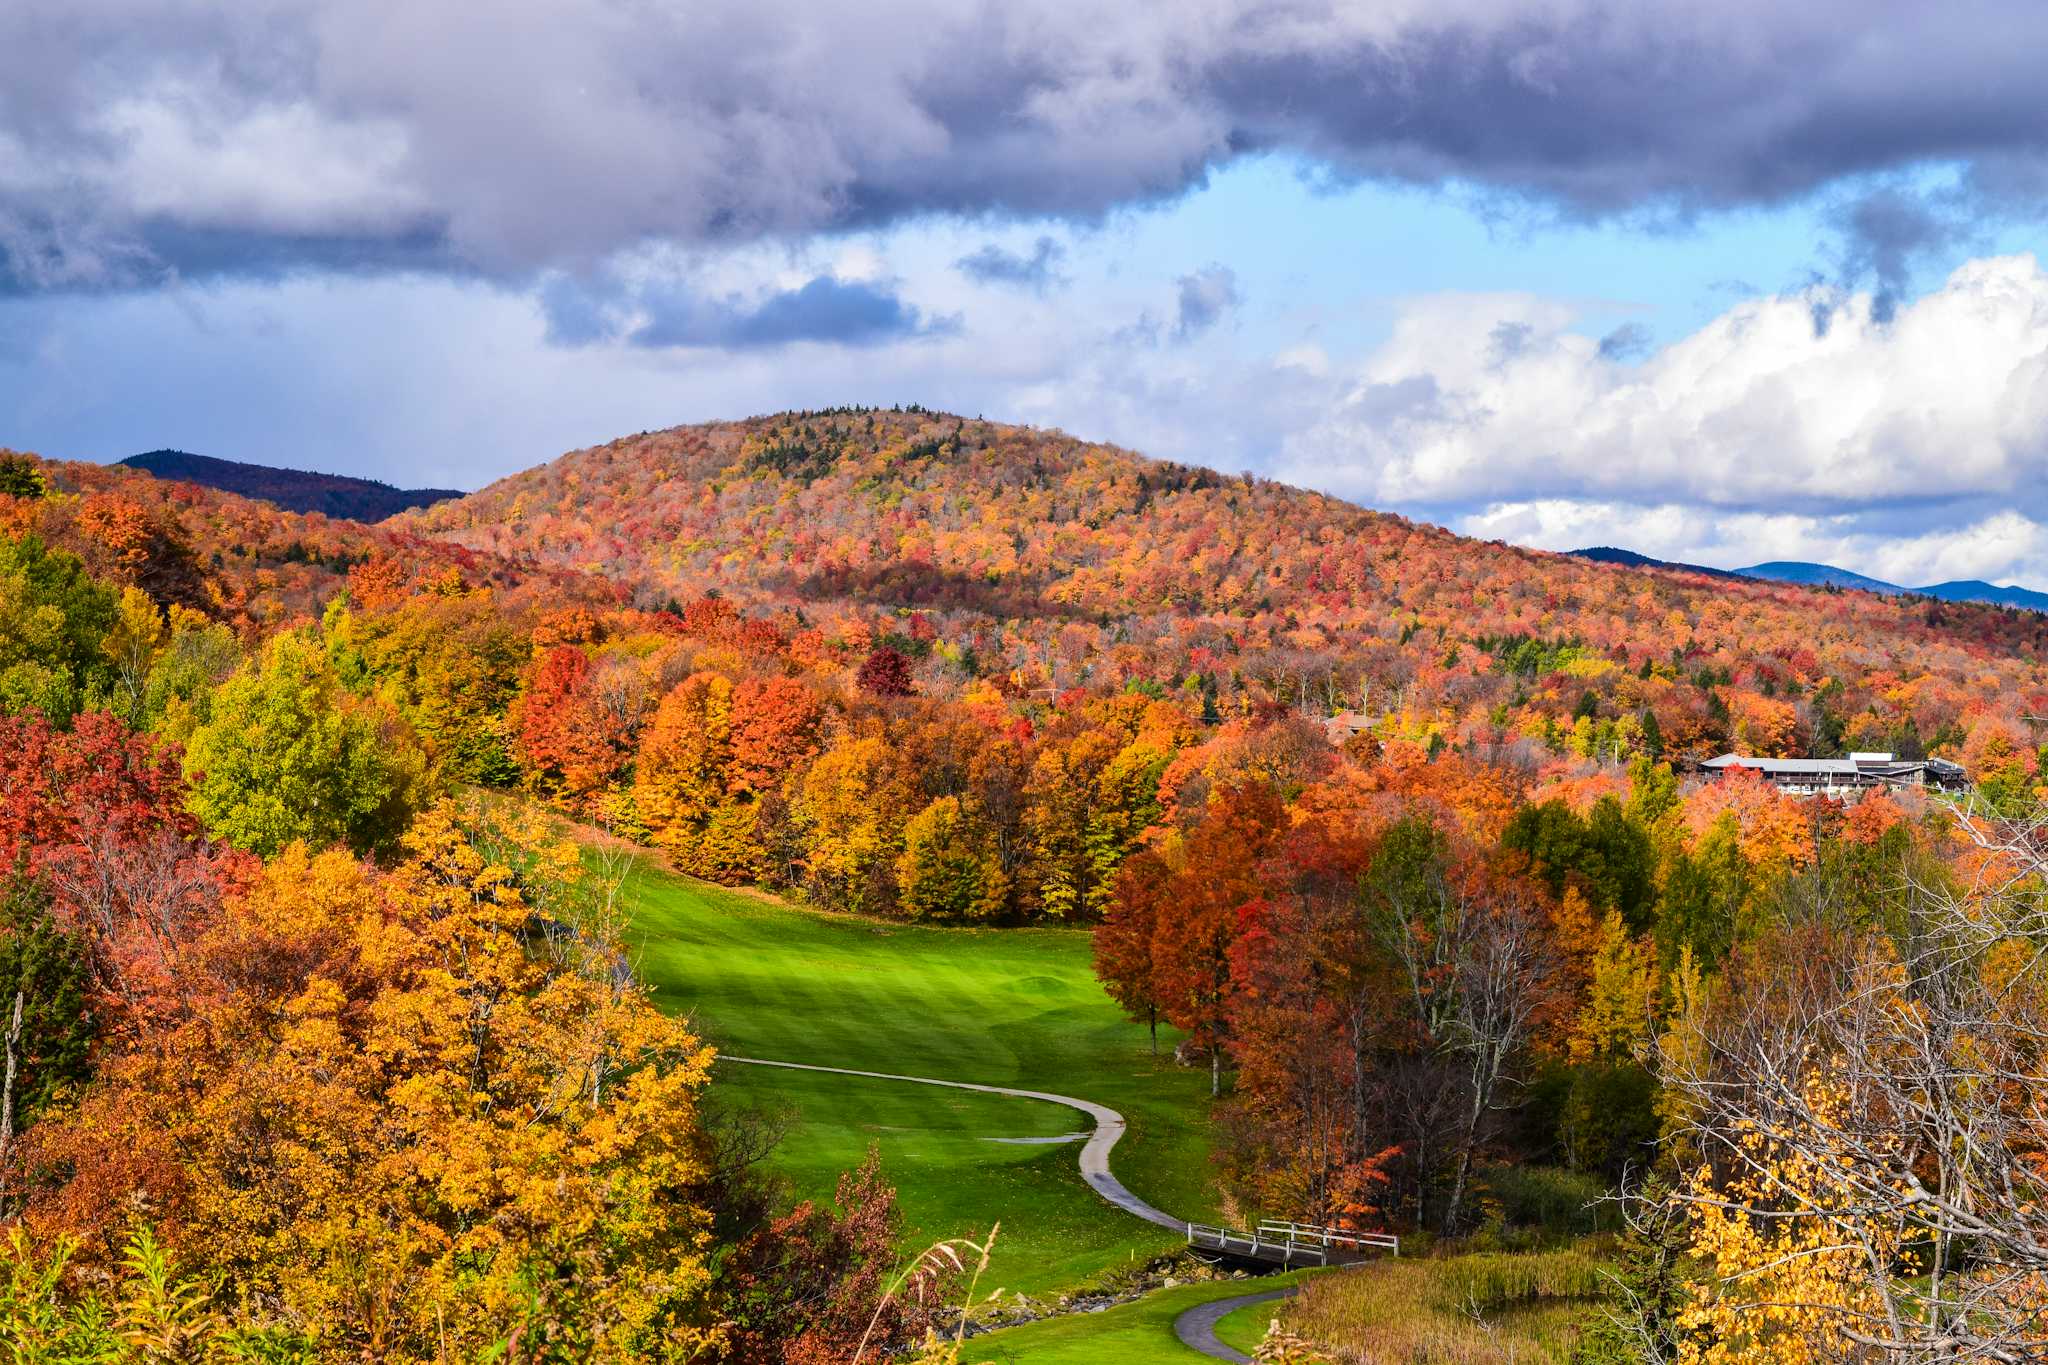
(1653, 734)
(1649, 1290)
(46, 969)
(21, 477)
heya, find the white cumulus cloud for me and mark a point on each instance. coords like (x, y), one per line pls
(1806, 402)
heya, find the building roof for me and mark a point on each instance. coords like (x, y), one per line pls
(1788, 766)
(1857, 765)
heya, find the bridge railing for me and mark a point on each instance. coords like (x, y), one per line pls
(1329, 1237)
(1260, 1245)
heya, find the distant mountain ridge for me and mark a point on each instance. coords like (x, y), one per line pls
(1977, 590)
(295, 490)
(1819, 576)
(1614, 554)
(1809, 574)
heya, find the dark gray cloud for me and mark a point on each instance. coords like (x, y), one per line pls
(845, 313)
(1508, 340)
(141, 139)
(1888, 230)
(1205, 297)
(993, 264)
(1630, 341)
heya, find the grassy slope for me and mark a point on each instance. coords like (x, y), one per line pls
(1004, 1007)
(1139, 1333)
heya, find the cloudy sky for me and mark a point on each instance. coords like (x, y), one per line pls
(1719, 282)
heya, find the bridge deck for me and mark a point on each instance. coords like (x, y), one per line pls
(1290, 1245)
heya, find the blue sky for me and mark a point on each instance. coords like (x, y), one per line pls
(1723, 285)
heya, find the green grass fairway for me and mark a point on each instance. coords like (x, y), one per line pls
(1139, 1333)
(1246, 1328)
(1014, 1007)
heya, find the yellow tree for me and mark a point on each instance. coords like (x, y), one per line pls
(838, 805)
(132, 645)
(680, 782)
(1614, 1021)
(416, 1110)
(948, 869)
(1796, 1260)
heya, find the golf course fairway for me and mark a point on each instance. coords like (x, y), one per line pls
(1008, 1007)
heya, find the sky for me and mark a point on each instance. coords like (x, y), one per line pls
(1716, 283)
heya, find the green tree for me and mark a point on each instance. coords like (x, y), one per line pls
(1652, 791)
(21, 477)
(1624, 863)
(198, 657)
(1653, 733)
(1648, 1290)
(947, 870)
(1556, 841)
(54, 618)
(1705, 892)
(46, 969)
(1825, 722)
(289, 755)
(1607, 855)
(1608, 1121)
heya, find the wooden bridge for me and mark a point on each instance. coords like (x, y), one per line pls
(1291, 1245)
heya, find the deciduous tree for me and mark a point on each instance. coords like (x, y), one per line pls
(288, 756)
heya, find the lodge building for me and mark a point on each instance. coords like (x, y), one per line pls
(1851, 776)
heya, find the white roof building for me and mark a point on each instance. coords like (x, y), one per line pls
(1857, 772)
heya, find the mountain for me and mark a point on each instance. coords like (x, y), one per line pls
(1957, 590)
(1818, 576)
(1807, 574)
(1037, 563)
(1614, 554)
(295, 490)
(1977, 590)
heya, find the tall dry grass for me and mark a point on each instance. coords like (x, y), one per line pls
(1488, 1309)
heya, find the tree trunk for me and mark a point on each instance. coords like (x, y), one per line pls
(1215, 1072)
(1482, 1098)
(7, 1099)
(1152, 1016)
(1458, 1190)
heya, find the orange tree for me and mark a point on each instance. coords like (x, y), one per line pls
(409, 1111)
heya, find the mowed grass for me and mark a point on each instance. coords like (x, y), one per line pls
(1246, 1328)
(1013, 1007)
(1136, 1333)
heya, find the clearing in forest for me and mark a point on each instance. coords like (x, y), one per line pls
(1010, 1007)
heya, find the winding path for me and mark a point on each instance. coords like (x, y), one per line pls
(1109, 1127)
(1196, 1328)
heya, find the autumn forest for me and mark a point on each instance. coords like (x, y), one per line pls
(1382, 861)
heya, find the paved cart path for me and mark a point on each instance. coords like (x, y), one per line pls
(1196, 1328)
(1109, 1128)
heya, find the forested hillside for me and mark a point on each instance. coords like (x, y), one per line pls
(1042, 563)
(241, 560)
